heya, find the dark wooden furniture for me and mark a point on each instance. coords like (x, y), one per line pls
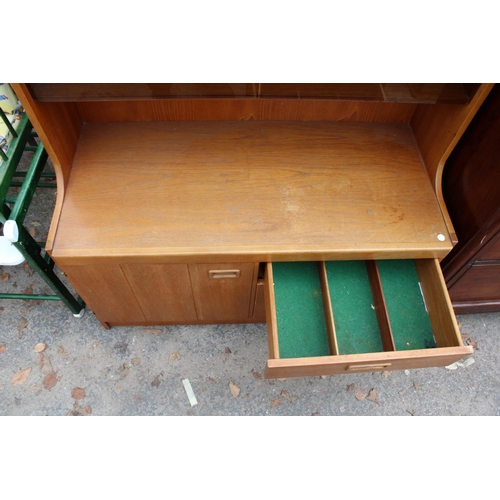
(471, 190)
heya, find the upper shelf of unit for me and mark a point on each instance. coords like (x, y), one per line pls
(453, 93)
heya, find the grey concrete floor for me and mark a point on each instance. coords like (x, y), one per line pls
(54, 364)
(86, 370)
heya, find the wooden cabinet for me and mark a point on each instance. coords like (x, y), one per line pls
(173, 200)
(149, 294)
(136, 294)
(471, 189)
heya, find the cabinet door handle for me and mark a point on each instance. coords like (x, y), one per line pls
(224, 273)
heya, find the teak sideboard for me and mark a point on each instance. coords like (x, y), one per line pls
(316, 208)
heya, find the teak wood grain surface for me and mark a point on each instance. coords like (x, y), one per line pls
(224, 298)
(255, 191)
(244, 109)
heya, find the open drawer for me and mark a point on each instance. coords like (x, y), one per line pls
(334, 317)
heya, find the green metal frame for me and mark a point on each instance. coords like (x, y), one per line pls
(42, 263)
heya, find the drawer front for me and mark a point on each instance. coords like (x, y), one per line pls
(351, 363)
(353, 316)
(480, 282)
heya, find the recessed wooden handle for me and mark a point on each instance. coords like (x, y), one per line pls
(368, 367)
(224, 273)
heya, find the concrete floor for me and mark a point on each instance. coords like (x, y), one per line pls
(86, 370)
(54, 364)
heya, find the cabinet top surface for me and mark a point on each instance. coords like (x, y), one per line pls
(265, 190)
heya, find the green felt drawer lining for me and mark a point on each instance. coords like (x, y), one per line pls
(411, 327)
(353, 311)
(299, 310)
(300, 315)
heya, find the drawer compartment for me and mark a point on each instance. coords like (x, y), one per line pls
(338, 317)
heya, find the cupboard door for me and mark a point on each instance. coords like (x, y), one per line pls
(106, 291)
(224, 293)
(163, 292)
(481, 282)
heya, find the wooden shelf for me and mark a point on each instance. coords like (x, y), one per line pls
(247, 191)
(67, 92)
(452, 93)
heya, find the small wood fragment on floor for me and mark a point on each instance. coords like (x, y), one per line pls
(124, 371)
(20, 377)
(154, 331)
(40, 347)
(78, 393)
(50, 380)
(46, 364)
(463, 364)
(62, 352)
(235, 390)
(359, 394)
(189, 392)
(373, 396)
(21, 326)
(468, 340)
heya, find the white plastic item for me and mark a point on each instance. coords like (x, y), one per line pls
(11, 231)
(9, 254)
(80, 314)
